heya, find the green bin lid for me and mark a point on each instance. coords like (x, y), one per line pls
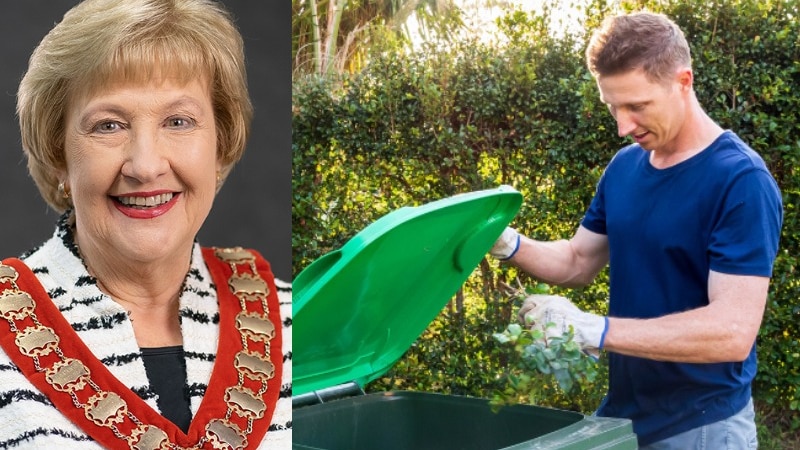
(359, 308)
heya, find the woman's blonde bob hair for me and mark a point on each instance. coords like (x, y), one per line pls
(103, 41)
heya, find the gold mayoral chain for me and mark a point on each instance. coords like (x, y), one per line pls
(105, 408)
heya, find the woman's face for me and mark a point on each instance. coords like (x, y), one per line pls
(142, 167)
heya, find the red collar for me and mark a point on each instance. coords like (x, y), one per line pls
(243, 390)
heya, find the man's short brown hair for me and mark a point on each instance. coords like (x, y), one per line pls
(642, 40)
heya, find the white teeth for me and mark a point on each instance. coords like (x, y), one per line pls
(146, 202)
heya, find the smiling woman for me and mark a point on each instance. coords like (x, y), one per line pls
(130, 144)
(123, 331)
(252, 209)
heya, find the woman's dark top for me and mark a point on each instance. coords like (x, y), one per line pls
(166, 371)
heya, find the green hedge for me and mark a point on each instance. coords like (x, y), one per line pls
(415, 127)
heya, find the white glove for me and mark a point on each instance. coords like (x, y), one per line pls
(590, 329)
(506, 245)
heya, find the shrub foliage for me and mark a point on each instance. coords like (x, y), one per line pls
(522, 110)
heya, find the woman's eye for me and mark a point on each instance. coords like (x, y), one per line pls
(108, 127)
(179, 122)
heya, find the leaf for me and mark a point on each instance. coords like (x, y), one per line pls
(501, 337)
(564, 379)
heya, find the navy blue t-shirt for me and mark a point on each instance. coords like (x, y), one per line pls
(667, 228)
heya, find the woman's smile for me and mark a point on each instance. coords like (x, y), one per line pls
(146, 206)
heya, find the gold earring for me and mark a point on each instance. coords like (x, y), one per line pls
(63, 190)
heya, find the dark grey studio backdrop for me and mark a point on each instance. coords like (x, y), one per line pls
(254, 207)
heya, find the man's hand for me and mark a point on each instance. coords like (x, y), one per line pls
(506, 245)
(590, 329)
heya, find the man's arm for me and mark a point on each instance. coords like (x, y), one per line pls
(570, 263)
(722, 331)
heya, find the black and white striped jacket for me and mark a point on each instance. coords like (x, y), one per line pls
(28, 420)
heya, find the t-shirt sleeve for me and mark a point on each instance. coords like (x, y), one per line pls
(595, 218)
(745, 238)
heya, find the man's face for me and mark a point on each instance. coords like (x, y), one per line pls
(651, 113)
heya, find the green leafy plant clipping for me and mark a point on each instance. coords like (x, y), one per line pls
(538, 359)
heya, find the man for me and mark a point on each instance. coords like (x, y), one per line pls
(688, 219)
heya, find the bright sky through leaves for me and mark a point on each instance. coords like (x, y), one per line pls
(480, 15)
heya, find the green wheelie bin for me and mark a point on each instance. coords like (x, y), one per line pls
(359, 308)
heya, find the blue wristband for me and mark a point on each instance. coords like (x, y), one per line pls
(603, 336)
(516, 247)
